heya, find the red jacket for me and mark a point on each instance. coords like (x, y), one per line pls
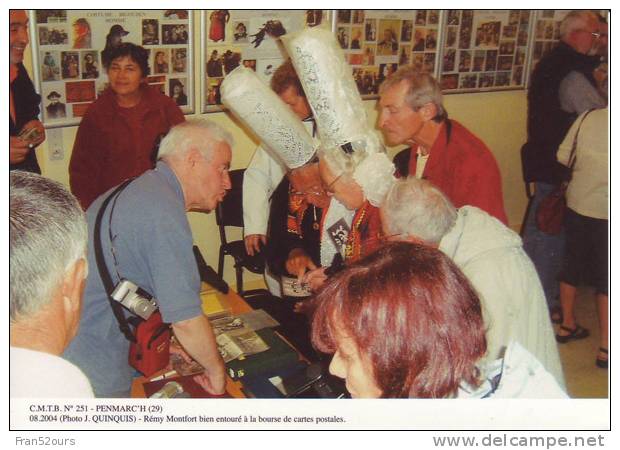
(463, 167)
(108, 149)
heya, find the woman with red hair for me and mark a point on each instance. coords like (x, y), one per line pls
(404, 322)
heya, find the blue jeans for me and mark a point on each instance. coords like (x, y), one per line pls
(545, 250)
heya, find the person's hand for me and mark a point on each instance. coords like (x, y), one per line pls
(253, 243)
(315, 278)
(298, 263)
(40, 128)
(214, 380)
(18, 149)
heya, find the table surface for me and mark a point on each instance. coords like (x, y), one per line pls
(233, 388)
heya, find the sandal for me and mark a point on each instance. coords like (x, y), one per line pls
(600, 362)
(575, 334)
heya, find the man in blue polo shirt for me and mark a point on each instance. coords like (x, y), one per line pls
(151, 245)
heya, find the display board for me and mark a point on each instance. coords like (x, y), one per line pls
(484, 50)
(248, 37)
(67, 56)
(377, 42)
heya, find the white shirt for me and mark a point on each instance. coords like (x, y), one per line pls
(43, 375)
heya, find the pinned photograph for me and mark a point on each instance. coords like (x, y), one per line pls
(358, 16)
(356, 38)
(53, 36)
(250, 64)
(217, 25)
(453, 17)
(176, 14)
(502, 79)
(487, 34)
(433, 17)
(491, 61)
(431, 40)
(80, 91)
(449, 82)
(486, 80)
(214, 65)
(70, 65)
(449, 59)
(420, 17)
(406, 31)
(369, 54)
(50, 66)
(469, 81)
(51, 15)
(478, 61)
(388, 42)
(174, 34)
(55, 109)
(314, 17)
(81, 34)
(230, 60)
(177, 91)
(429, 63)
(343, 37)
(451, 36)
(161, 58)
(240, 34)
(179, 60)
(464, 61)
(213, 92)
(90, 64)
(343, 16)
(405, 55)
(150, 32)
(419, 40)
(370, 30)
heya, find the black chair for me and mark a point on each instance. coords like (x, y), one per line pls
(229, 213)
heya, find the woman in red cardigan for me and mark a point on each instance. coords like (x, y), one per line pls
(119, 132)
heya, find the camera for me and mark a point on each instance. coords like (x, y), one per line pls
(29, 134)
(134, 299)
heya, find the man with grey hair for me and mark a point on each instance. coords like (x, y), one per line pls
(47, 234)
(441, 150)
(562, 87)
(492, 258)
(146, 239)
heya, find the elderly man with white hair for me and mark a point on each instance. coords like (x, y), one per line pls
(492, 258)
(562, 87)
(146, 238)
(47, 233)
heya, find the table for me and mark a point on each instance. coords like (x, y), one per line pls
(233, 388)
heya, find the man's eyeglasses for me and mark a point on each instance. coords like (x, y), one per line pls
(595, 34)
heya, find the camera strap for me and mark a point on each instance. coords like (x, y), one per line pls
(104, 273)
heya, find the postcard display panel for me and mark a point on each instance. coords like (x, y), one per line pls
(231, 38)
(377, 42)
(67, 48)
(485, 50)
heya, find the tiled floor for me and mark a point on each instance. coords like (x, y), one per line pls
(583, 378)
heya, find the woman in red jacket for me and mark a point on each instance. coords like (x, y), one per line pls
(118, 133)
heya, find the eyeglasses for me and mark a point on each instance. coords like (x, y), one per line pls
(329, 187)
(595, 34)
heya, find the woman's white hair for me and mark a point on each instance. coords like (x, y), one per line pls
(47, 235)
(418, 209)
(201, 134)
